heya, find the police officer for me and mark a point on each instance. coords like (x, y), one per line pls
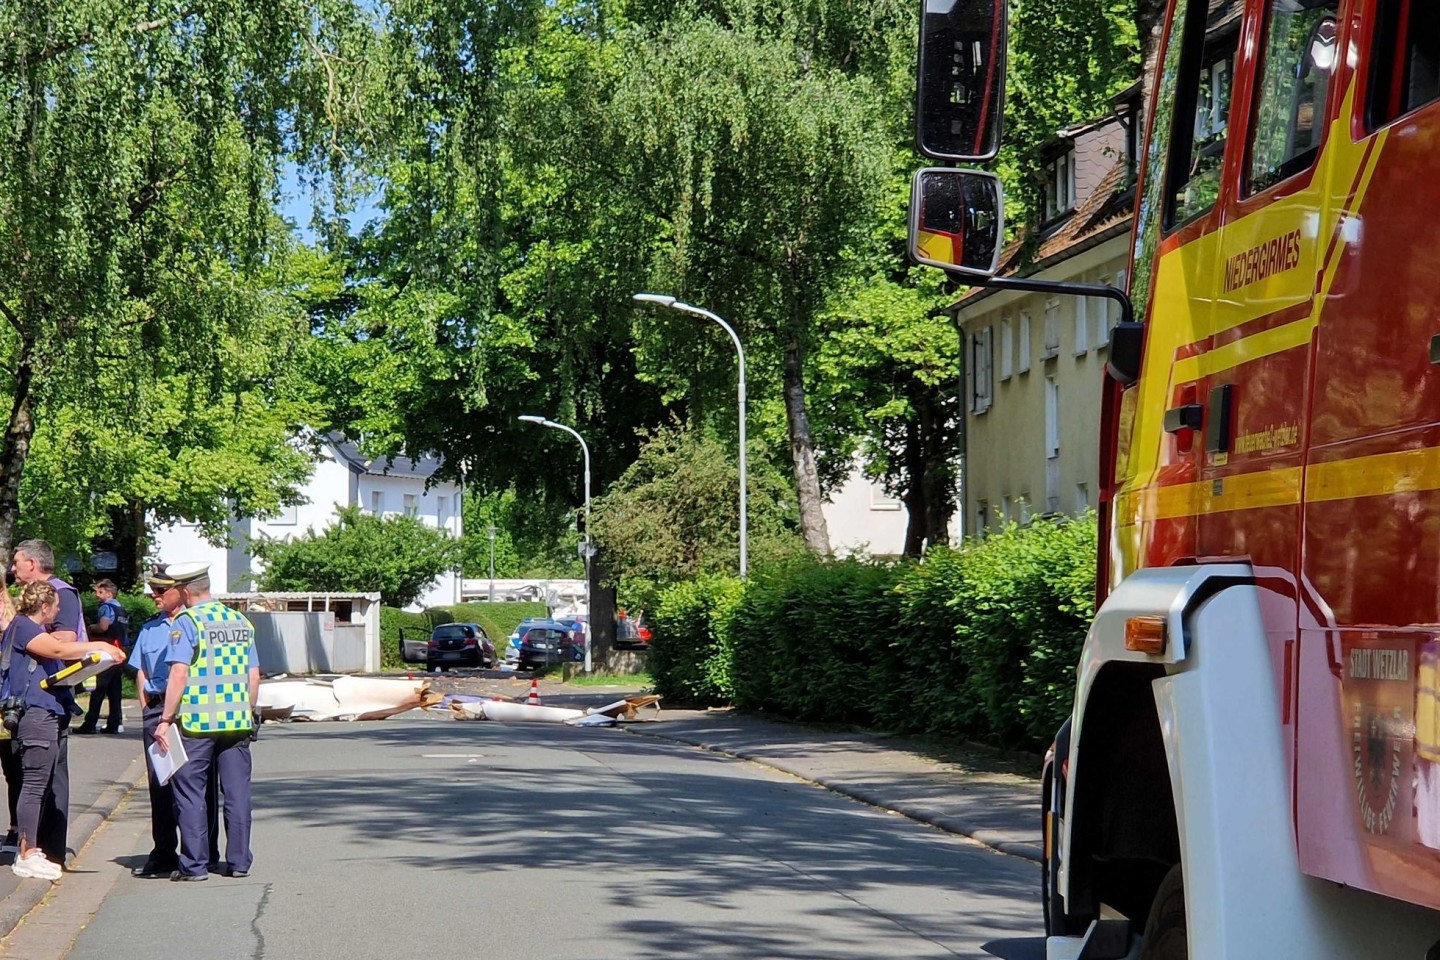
(152, 674)
(212, 705)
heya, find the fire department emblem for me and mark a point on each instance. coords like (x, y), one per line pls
(1377, 766)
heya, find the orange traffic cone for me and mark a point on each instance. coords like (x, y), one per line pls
(534, 698)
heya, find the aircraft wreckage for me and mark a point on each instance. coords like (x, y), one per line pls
(375, 698)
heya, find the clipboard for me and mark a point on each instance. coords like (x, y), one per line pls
(165, 764)
(78, 672)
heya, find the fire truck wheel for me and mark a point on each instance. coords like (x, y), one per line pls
(1165, 937)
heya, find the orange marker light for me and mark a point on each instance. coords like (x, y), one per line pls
(1145, 635)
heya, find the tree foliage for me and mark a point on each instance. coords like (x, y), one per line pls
(397, 556)
(675, 513)
(136, 200)
(1068, 58)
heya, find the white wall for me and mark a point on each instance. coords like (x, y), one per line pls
(862, 518)
(331, 483)
(392, 493)
(182, 543)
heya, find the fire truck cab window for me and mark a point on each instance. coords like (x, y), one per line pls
(1202, 108)
(1296, 64)
(1406, 58)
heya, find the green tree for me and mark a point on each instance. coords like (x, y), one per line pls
(766, 164)
(889, 376)
(136, 202)
(675, 513)
(1068, 58)
(398, 556)
(497, 282)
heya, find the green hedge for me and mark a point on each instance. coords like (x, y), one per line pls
(812, 640)
(498, 619)
(980, 641)
(690, 657)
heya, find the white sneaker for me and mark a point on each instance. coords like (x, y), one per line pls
(35, 865)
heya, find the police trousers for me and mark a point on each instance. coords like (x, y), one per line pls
(228, 755)
(164, 825)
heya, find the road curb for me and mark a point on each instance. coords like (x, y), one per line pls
(28, 895)
(955, 825)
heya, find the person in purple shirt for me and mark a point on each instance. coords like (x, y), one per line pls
(35, 562)
(30, 655)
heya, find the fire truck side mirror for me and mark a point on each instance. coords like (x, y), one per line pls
(956, 220)
(1123, 357)
(961, 90)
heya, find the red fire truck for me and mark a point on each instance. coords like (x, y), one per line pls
(1252, 767)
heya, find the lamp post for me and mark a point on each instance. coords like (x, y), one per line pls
(585, 449)
(492, 563)
(671, 303)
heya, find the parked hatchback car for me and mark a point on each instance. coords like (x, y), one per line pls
(547, 644)
(458, 644)
(512, 644)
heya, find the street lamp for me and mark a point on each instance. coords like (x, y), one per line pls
(671, 303)
(585, 449)
(492, 563)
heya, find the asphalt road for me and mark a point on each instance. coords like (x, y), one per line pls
(430, 837)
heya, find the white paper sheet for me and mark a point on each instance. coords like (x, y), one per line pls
(165, 764)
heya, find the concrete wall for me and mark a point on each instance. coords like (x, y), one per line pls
(308, 643)
(1007, 465)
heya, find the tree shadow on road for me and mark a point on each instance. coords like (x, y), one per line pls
(470, 799)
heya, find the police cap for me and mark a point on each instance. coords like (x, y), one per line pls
(169, 575)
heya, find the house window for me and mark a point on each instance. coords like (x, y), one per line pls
(412, 505)
(1023, 360)
(982, 516)
(1052, 418)
(1007, 350)
(289, 517)
(880, 500)
(1007, 510)
(1082, 497)
(442, 511)
(1060, 185)
(1082, 326)
(377, 502)
(1052, 328)
(982, 370)
(1023, 505)
(1407, 59)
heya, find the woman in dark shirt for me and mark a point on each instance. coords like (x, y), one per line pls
(35, 655)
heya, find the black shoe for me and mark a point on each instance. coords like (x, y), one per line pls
(234, 874)
(85, 730)
(188, 877)
(149, 870)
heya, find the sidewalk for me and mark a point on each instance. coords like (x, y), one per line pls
(103, 769)
(1000, 810)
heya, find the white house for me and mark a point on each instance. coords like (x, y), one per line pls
(385, 486)
(862, 518)
(1034, 361)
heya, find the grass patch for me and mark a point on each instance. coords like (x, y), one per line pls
(612, 680)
